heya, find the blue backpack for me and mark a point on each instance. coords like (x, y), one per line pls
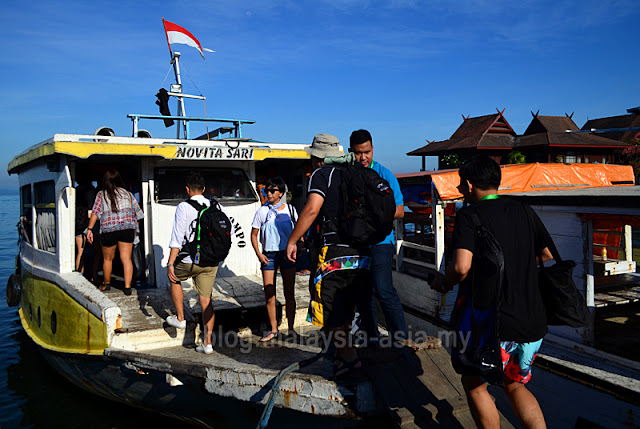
(476, 314)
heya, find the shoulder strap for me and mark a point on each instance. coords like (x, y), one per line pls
(196, 205)
(294, 219)
(474, 217)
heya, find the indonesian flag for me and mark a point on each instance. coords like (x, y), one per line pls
(177, 34)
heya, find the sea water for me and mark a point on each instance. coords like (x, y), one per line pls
(32, 394)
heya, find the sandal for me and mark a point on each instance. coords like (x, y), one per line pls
(105, 287)
(127, 291)
(270, 336)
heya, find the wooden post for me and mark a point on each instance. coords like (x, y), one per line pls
(628, 244)
(399, 227)
(587, 228)
(437, 219)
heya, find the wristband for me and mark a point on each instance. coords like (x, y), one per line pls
(169, 265)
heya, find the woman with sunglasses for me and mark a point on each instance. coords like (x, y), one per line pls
(274, 222)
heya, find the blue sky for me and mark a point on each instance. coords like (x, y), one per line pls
(404, 69)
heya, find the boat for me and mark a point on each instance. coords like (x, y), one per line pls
(590, 211)
(120, 348)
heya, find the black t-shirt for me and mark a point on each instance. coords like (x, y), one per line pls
(522, 314)
(326, 181)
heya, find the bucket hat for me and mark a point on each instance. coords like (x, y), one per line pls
(324, 145)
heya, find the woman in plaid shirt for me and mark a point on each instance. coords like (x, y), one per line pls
(119, 214)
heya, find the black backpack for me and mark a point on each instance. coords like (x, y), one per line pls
(476, 313)
(368, 206)
(211, 239)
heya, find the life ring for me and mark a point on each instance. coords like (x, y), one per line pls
(14, 290)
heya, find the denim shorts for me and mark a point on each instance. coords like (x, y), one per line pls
(277, 259)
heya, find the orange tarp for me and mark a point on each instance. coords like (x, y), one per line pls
(542, 177)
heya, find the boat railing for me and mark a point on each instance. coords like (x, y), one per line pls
(237, 123)
(406, 248)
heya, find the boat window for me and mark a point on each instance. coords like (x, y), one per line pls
(45, 203)
(224, 184)
(26, 214)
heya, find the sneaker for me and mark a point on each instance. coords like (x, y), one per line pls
(173, 321)
(207, 350)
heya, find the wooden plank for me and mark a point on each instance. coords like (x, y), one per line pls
(633, 295)
(442, 360)
(433, 377)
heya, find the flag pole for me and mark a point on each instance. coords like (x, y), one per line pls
(175, 60)
(167, 36)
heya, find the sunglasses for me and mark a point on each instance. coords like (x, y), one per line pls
(272, 190)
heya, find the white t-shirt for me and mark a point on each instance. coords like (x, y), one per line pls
(183, 223)
(275, 233)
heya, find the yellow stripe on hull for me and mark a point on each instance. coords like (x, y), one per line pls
(84, 149)
(57, 322)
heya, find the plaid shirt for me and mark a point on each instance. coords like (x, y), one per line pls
(127, 216)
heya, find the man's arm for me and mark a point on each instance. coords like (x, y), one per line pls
(306, 218)
(457, 271)
(399, 212)
(173, 254)
(546, 256)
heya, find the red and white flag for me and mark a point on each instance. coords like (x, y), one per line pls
(177, 34)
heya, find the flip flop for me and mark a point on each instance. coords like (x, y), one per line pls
(269, 336)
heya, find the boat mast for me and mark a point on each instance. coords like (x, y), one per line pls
(175, 60)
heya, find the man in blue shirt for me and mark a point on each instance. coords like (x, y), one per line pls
(361, 145)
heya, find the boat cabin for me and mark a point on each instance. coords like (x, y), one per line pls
(154, 171)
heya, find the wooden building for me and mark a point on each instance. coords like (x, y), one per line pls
(546, 139)
(557, 139)
(490, 135)
(624, 128)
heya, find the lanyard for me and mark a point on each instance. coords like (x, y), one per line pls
(490, 197)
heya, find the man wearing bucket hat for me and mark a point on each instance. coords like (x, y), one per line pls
(339, 273)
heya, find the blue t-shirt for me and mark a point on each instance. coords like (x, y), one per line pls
(397, 193)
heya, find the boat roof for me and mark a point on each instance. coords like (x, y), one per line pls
(536, 178)
(84, 146)
(603, 196)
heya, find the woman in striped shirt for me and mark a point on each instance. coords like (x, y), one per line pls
(119, 213)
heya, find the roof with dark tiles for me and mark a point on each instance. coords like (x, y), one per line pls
(622, 121)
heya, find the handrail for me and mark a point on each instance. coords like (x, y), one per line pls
(237, 123)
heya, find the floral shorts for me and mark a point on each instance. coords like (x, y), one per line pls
(517, 359)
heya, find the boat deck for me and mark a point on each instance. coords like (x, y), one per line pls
(243, 368)
(616, 290)
(148, 308)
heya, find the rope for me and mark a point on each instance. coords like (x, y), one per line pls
(206, 124)
(165, 77)
(275, 388)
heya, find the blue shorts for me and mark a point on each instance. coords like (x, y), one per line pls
(517, 359)
(277, 259)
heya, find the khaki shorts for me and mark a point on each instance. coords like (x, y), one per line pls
(203, 277)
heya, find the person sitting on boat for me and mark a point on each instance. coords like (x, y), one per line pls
(119, 213)
(203, 277)
(85, 197)
(340, 277)
(522, 315)
(360, 144)
(274, 222)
